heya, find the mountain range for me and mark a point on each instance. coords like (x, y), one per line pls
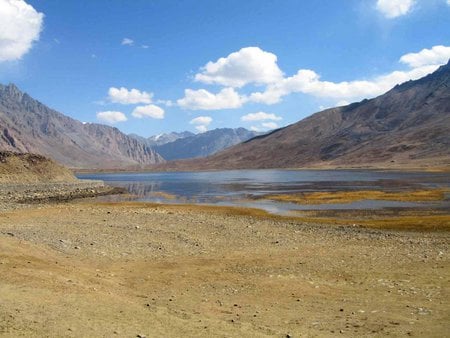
(160, 139)
(28, 126)
(183, 145)
(203, 144)
(409, 126)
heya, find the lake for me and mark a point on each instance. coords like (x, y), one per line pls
(243, 187)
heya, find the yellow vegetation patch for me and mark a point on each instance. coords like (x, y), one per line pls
(428, 222)
(164, 195)
(425, 220)
(332, 197)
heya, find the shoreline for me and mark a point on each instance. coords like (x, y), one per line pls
(445, 169)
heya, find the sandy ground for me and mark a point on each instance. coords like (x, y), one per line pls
(105, 270)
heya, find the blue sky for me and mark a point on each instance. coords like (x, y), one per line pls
(204, 64)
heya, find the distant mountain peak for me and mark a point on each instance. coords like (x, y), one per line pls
(202, 144)
(11, 90)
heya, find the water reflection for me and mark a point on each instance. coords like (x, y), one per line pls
(239, 187)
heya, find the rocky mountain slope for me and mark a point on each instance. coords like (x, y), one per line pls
(203, 144)
(407, 126)
(160, 139)
(26, 125)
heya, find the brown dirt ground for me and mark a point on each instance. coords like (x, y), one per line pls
(128, 269)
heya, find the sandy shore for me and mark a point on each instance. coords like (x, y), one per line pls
(85, 269)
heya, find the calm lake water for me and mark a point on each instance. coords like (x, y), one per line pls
(240, 187)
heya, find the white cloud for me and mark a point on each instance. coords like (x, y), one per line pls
(201, 129)
(248, 65)
(201, 123)
(269, 125)
(448, 2)
(260, 116)
(394, 8)
(111, 116)
(124, 96)
(342, 103)
(206, 120)
(150, 110)
(264, 126)
(202, 99)
(145, 46)
(307, 81)
(127, 42)
(434, 56)
(20, 26)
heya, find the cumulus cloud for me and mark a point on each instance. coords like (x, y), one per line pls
(260, 116)
(202, 99)
(150, 110)
(124, 96)
(434, 56)
(248, 65)
(20, 26)
(394, 8)
(206, 120)
(264, 126)
(255, 128)
(270, 125)
(307, 81)
(111, 117)
(342, 103)
(201, 123)
(127, 42)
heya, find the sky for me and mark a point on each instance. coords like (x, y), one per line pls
(150, 67)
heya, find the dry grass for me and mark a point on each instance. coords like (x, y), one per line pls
(426, 220)
(164, 195)
(333, 197)
(417, 223)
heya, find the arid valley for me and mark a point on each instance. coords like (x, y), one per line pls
(224, 169)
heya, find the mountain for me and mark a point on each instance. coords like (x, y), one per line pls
(26, 125)
(159, 140)
(203, 144)
(409, 126)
